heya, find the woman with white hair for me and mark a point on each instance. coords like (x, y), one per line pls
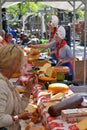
(63, 51)
(11, 105)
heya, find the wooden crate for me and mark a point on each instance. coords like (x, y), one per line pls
(79, 71)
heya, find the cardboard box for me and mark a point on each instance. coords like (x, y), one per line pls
(74, 115)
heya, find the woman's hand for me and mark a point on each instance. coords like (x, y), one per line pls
(33, 80)
(31, 45)
(59, 62)
(25, 115)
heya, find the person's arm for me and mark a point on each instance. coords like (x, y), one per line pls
(51, 52)
(61, 61)
(49, 45)
(69, 59)
(38, 46)
(5, 118)
(32, 81)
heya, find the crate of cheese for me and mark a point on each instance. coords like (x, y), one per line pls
(71, 115)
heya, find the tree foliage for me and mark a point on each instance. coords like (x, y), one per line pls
(24, 7)
(80, 14)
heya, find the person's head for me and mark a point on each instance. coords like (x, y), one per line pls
(9, 38)
(53, 24)
(60, 35)
(11, 60)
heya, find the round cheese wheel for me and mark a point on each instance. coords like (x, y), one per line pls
(58, 87)
(34, 51)
(20, 90)
(61, 69)
(37, 128)
(31, 58)
(29, 125)
(45, 78)
(16, 75)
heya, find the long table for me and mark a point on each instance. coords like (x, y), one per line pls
(51, 123)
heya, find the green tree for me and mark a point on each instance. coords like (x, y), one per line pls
(24, 7)
(80, 14)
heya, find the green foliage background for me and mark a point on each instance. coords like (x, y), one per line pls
(24, 7)
(32, 7)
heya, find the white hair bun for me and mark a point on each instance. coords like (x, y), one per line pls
(61, 32)
(55, 21)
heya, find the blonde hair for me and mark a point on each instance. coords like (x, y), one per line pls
(8, 55)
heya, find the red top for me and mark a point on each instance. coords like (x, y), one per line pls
(52, 34)
(63, 43)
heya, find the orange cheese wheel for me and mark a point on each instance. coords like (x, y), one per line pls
(44, 78)
(20, 90)
(32, 126)
(34, 51)
(16, 75)
(61, 69)
(58, 87)
(37, 128)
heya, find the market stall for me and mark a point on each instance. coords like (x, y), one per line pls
(45, 97)
(51, 123)
(71, 5)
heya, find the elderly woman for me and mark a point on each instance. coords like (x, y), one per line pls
(63, 51)
(11, 105)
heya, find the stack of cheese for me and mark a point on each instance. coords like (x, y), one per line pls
(31, 108)
(46, 73)
(60, 69)
(33, 55)
(46, 69)
(53, 100)
(51, 72)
